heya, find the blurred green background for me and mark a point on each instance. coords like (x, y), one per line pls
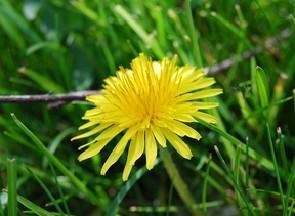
(60, 46)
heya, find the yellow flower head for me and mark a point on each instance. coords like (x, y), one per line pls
(149, 104)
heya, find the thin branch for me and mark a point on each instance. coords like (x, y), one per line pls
(80, 95)
(229, 62)
(212, 70)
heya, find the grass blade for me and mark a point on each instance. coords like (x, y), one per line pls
(11, 179)
(262, 86)
(290, 187)
(123, 191)
(34, 208)
(204, 188)
(193, 34)
(242, 199)
(277, 170)
(47, 191)
(76, 181)
(44, 82)
(137, 28)
(264, 162)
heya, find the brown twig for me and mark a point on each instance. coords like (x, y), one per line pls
(80, 95)
(229, 62)
(212, 70)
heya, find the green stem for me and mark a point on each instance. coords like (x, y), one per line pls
(180, 186)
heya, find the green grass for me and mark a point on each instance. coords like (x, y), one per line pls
(244, 162)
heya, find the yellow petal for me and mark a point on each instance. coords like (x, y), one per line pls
(95, 130)
(136, 147)
(87, 125)
(185, 107)
(150, 149)
(86, 144)
(189, 73)
(159, 135)
(91, 113)
(184, 111)
(178, 144)
(135, 151)
(93, 149)
(126, 172)
(205, 117)
(193, 86)
(184, 117)
(199, 94)
(110, 132)
(117, 151)
(204, 82)
(96, 99)
(205, 105)
(182, 129)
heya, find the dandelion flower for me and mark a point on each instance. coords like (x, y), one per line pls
(149, 105)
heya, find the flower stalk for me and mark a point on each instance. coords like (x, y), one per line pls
(180, 186)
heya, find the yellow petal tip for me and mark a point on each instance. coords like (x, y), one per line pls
(150, 166)
(103, 170)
